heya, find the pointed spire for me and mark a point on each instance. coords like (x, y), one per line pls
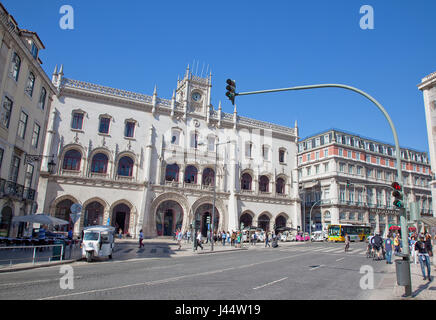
(187, 71)
(61, 70)
(55, 70)
(154, 100)
(173, 103)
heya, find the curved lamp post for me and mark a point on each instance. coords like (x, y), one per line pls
(403, 222)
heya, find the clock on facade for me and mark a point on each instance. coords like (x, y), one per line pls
(196, 96)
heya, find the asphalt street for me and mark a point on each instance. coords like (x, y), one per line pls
(307, 271)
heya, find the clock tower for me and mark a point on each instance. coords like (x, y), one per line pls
(193, 92)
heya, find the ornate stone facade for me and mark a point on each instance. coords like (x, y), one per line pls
(142, 162)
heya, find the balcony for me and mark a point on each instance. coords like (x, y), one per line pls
(16, 191)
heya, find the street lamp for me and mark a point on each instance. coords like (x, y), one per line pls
(30, 158)
(404, 235)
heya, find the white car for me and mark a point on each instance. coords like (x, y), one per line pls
(317, 236)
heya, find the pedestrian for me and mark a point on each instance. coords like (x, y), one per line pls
(179, 239)
(347, 242)
(388, 248)
(223, 238)
(141, 238)
(424, 258)
(429, 246)
(233, 238)
(267, 240)
(412, 248)
(378, 244)
(199, 240)
(397, 243)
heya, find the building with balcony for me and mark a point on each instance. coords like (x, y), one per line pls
(345, 178)
(428, 88)
(25, 93)
(138, 161)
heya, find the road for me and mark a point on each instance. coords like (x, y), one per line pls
(306, 271)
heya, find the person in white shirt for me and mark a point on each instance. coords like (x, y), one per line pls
(199, 240)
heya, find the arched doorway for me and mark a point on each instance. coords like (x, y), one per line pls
(169, 218)
(93, 214)
(263, 222)
(280, 222)
(121, 218)
(63, 211)
(202, 213)
(246, 219)
(5, 221)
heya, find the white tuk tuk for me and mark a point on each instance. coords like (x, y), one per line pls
(98, 241)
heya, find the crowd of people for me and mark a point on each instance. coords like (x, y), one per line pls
(420, 248)
(233, 239)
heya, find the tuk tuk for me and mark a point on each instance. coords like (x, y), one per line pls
(97, 242)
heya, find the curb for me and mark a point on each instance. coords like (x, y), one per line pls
(51, 264)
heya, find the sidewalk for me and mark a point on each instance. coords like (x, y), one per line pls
(421, 289)
(126, 249)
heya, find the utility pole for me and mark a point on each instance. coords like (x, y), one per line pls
(404, 236)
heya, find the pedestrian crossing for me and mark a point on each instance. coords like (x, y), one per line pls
(331, 250)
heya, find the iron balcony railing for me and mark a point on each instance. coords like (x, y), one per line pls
(14, 190)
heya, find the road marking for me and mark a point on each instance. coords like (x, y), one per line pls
(340, 259)
(317, 267)
(33, 282)
(270, 283)
(150, 283)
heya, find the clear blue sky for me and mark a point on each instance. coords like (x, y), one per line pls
(134, 45)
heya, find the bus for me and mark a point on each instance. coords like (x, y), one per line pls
(336, 232)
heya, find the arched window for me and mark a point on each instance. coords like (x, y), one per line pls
(264, 184)
(208, 177)
(246, 181)
(125, 167)
(72, 160)
(93, 214)
(99, 163)
(191, 174)
(172, 172)
(280, 186)
(63, 211)
(281, 155)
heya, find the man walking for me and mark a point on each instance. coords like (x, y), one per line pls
(422, 248)
(267, 240)
(388, 248)
(347, 242)
(199, 240)
(179, 239)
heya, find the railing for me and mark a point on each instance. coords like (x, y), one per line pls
(15, 190)
(14, 255)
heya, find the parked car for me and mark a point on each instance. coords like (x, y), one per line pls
(302, 236)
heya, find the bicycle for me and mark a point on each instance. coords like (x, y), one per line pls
(370, 251)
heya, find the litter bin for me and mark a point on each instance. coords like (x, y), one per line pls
(57, 250)
(402, 268)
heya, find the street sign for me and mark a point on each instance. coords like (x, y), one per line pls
(76, 208)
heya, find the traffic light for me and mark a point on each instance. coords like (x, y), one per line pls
(398, 195)
(231, 90)
(348, 183)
